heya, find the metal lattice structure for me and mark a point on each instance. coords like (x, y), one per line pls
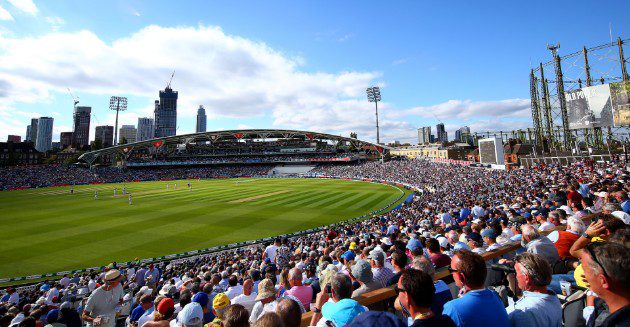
(124, 151)
(549, 83)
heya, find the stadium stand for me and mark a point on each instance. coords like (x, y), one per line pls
(487, 228)
(290, 170)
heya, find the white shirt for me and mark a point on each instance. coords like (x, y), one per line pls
(14, 298)
(65, 282)
(50, 294)
(147, 318)
(91, 285)
(234, 291)
(260, 309)
(271, 251)
(247, 301)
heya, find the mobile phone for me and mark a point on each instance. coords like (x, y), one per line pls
(328, 288)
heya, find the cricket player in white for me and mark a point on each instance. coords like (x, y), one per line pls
(95, 195)
(129, 199)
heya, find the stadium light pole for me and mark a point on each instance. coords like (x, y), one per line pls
(374, 95)
(118, 104)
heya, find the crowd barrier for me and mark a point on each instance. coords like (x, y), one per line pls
(223, 248)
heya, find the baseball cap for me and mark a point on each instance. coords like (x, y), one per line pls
(362, 271)
(475, 237)
(377, 318)
(353, 245)
(201, 298)
(489, 233)
(164, 305)
(443, 241)
(191, 314)
(413, 244)
(145, 290)
(377, 255)
(220, 301)
(348, 255)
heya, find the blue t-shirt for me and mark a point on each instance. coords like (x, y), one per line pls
(464, 213)
(136, 313)
(477, 308)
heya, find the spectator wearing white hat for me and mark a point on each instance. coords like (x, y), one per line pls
(100, 308)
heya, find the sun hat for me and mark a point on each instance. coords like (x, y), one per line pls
(265, 289)
(112, 275)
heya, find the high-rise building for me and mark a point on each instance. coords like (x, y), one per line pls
(463, 134)
(33, 134)
(27, 138)
(105, 134)
(14, 138)
(146, 129)
(81, 130)
(442, 136)
(201, 120)
(424, 135)
(65, 138)
(128, 133)
(166, 113)
(43, 141)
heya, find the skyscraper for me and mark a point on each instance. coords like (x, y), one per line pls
(105, 134)
(81, 130)
(462, 134)
(27, 138)
(65, 138)
(442, 136)
(201, 120)
(166, 113)
(43, 141)
(424, 135)
(128, 132)
(33, 135)
(146, 129)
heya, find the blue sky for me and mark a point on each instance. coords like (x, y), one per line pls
(290, 64)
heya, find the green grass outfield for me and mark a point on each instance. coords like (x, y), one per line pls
(49, 230)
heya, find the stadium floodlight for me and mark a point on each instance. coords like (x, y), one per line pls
(374, 95)
(118, 104)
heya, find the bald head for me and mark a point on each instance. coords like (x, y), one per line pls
(295, 277)
(247, 287)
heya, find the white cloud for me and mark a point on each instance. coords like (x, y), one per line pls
(55, 22)
(26, 6)
(400, 61)
(345, 37)
(231, 76)
(5, 15)
(468, 109)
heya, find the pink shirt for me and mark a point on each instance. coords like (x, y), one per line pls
(304, 293)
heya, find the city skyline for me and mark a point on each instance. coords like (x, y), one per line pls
(308, 72)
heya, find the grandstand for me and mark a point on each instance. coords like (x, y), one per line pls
(494, 213)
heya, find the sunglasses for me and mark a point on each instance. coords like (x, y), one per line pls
(590, 249)
(399, 290)
(451, 270)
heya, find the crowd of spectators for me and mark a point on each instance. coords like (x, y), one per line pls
(51, 175)
(572, 223)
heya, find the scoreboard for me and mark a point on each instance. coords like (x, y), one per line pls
(491, 151)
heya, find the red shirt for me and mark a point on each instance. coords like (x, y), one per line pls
(564, 243)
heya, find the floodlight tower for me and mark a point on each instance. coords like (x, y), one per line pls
(374, 95)
(118, 104)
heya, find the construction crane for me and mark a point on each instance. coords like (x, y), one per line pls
(168, 86)
(76, 99)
